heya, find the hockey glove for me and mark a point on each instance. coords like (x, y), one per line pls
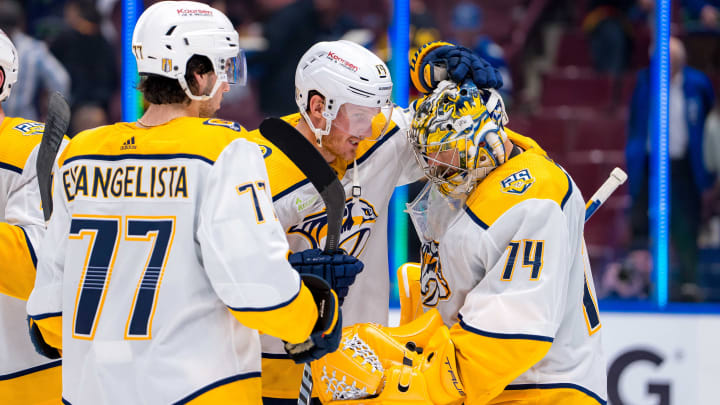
(325, 337)
(438, 61)
(338, 270)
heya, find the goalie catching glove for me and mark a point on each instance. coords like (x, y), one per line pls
(438, 61)
(325, 336)
(412, 364)
(337, 269)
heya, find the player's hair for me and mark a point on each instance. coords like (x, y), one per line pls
(162, 90)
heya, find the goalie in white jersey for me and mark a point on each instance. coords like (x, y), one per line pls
(511, 315)
(504, 258)
(164, 236)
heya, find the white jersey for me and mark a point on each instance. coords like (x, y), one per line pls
(159, 239)
(511, 275)
(21, 228)
(383, 163)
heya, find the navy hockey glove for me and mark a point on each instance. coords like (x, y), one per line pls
(325, 336)
(440, 61)
(338, 269)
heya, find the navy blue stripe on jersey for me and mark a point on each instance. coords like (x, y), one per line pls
(30, 248)
(263, 309)
(557, 386)
(475, 218)
(373, 148)
(224, 381)
(279, 356)
(45, 316)
(129, 156)
(290, 190)
(10, 167)
(66, 402)
(504, 335)
(31, 370)
(570, 188)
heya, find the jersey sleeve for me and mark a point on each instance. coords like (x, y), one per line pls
(509, 319)
(411, 170)
(244, 248)
(45, 302)
(21, 234)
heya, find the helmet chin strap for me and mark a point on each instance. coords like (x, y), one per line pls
(183, 84)
(319, 133)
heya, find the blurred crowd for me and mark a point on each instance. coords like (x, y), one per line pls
(596, 51)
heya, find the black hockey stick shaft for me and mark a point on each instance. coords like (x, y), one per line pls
(309, 160)
(55, 127)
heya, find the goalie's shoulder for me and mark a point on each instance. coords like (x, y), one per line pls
(529, 176)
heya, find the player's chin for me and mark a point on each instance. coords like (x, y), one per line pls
(349, 153)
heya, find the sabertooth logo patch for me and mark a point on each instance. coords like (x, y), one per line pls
(517, 183)
(433, 285)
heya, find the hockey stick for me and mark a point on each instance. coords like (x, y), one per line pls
(617, 177)
(55, 127)
(324, 179)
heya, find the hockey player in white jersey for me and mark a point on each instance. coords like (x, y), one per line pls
(504, 258)
(504, 267)
(163, 256)
(343, 92)
(22, 369)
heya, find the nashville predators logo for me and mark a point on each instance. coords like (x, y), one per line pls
(517, 183)
(433, 285)
(355, 230)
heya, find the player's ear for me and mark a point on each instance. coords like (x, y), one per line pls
(316, 106)
(2, 77)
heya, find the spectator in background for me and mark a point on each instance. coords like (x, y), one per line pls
(707, 12)
(40, 71)
(290, 27)
(92, 66)
(609, 27)
(467, 19)
(691, 99)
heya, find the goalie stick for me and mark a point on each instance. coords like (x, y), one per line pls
(304, 155)
(55, 127)
(617, 178)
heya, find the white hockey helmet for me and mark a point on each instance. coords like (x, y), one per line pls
(169, 33)
(354, 82)
(9, 63)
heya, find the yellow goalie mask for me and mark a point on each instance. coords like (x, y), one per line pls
(457, 140)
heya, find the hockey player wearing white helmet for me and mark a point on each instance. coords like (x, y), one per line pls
(343, 92)
(22, 369)
(163, 257)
